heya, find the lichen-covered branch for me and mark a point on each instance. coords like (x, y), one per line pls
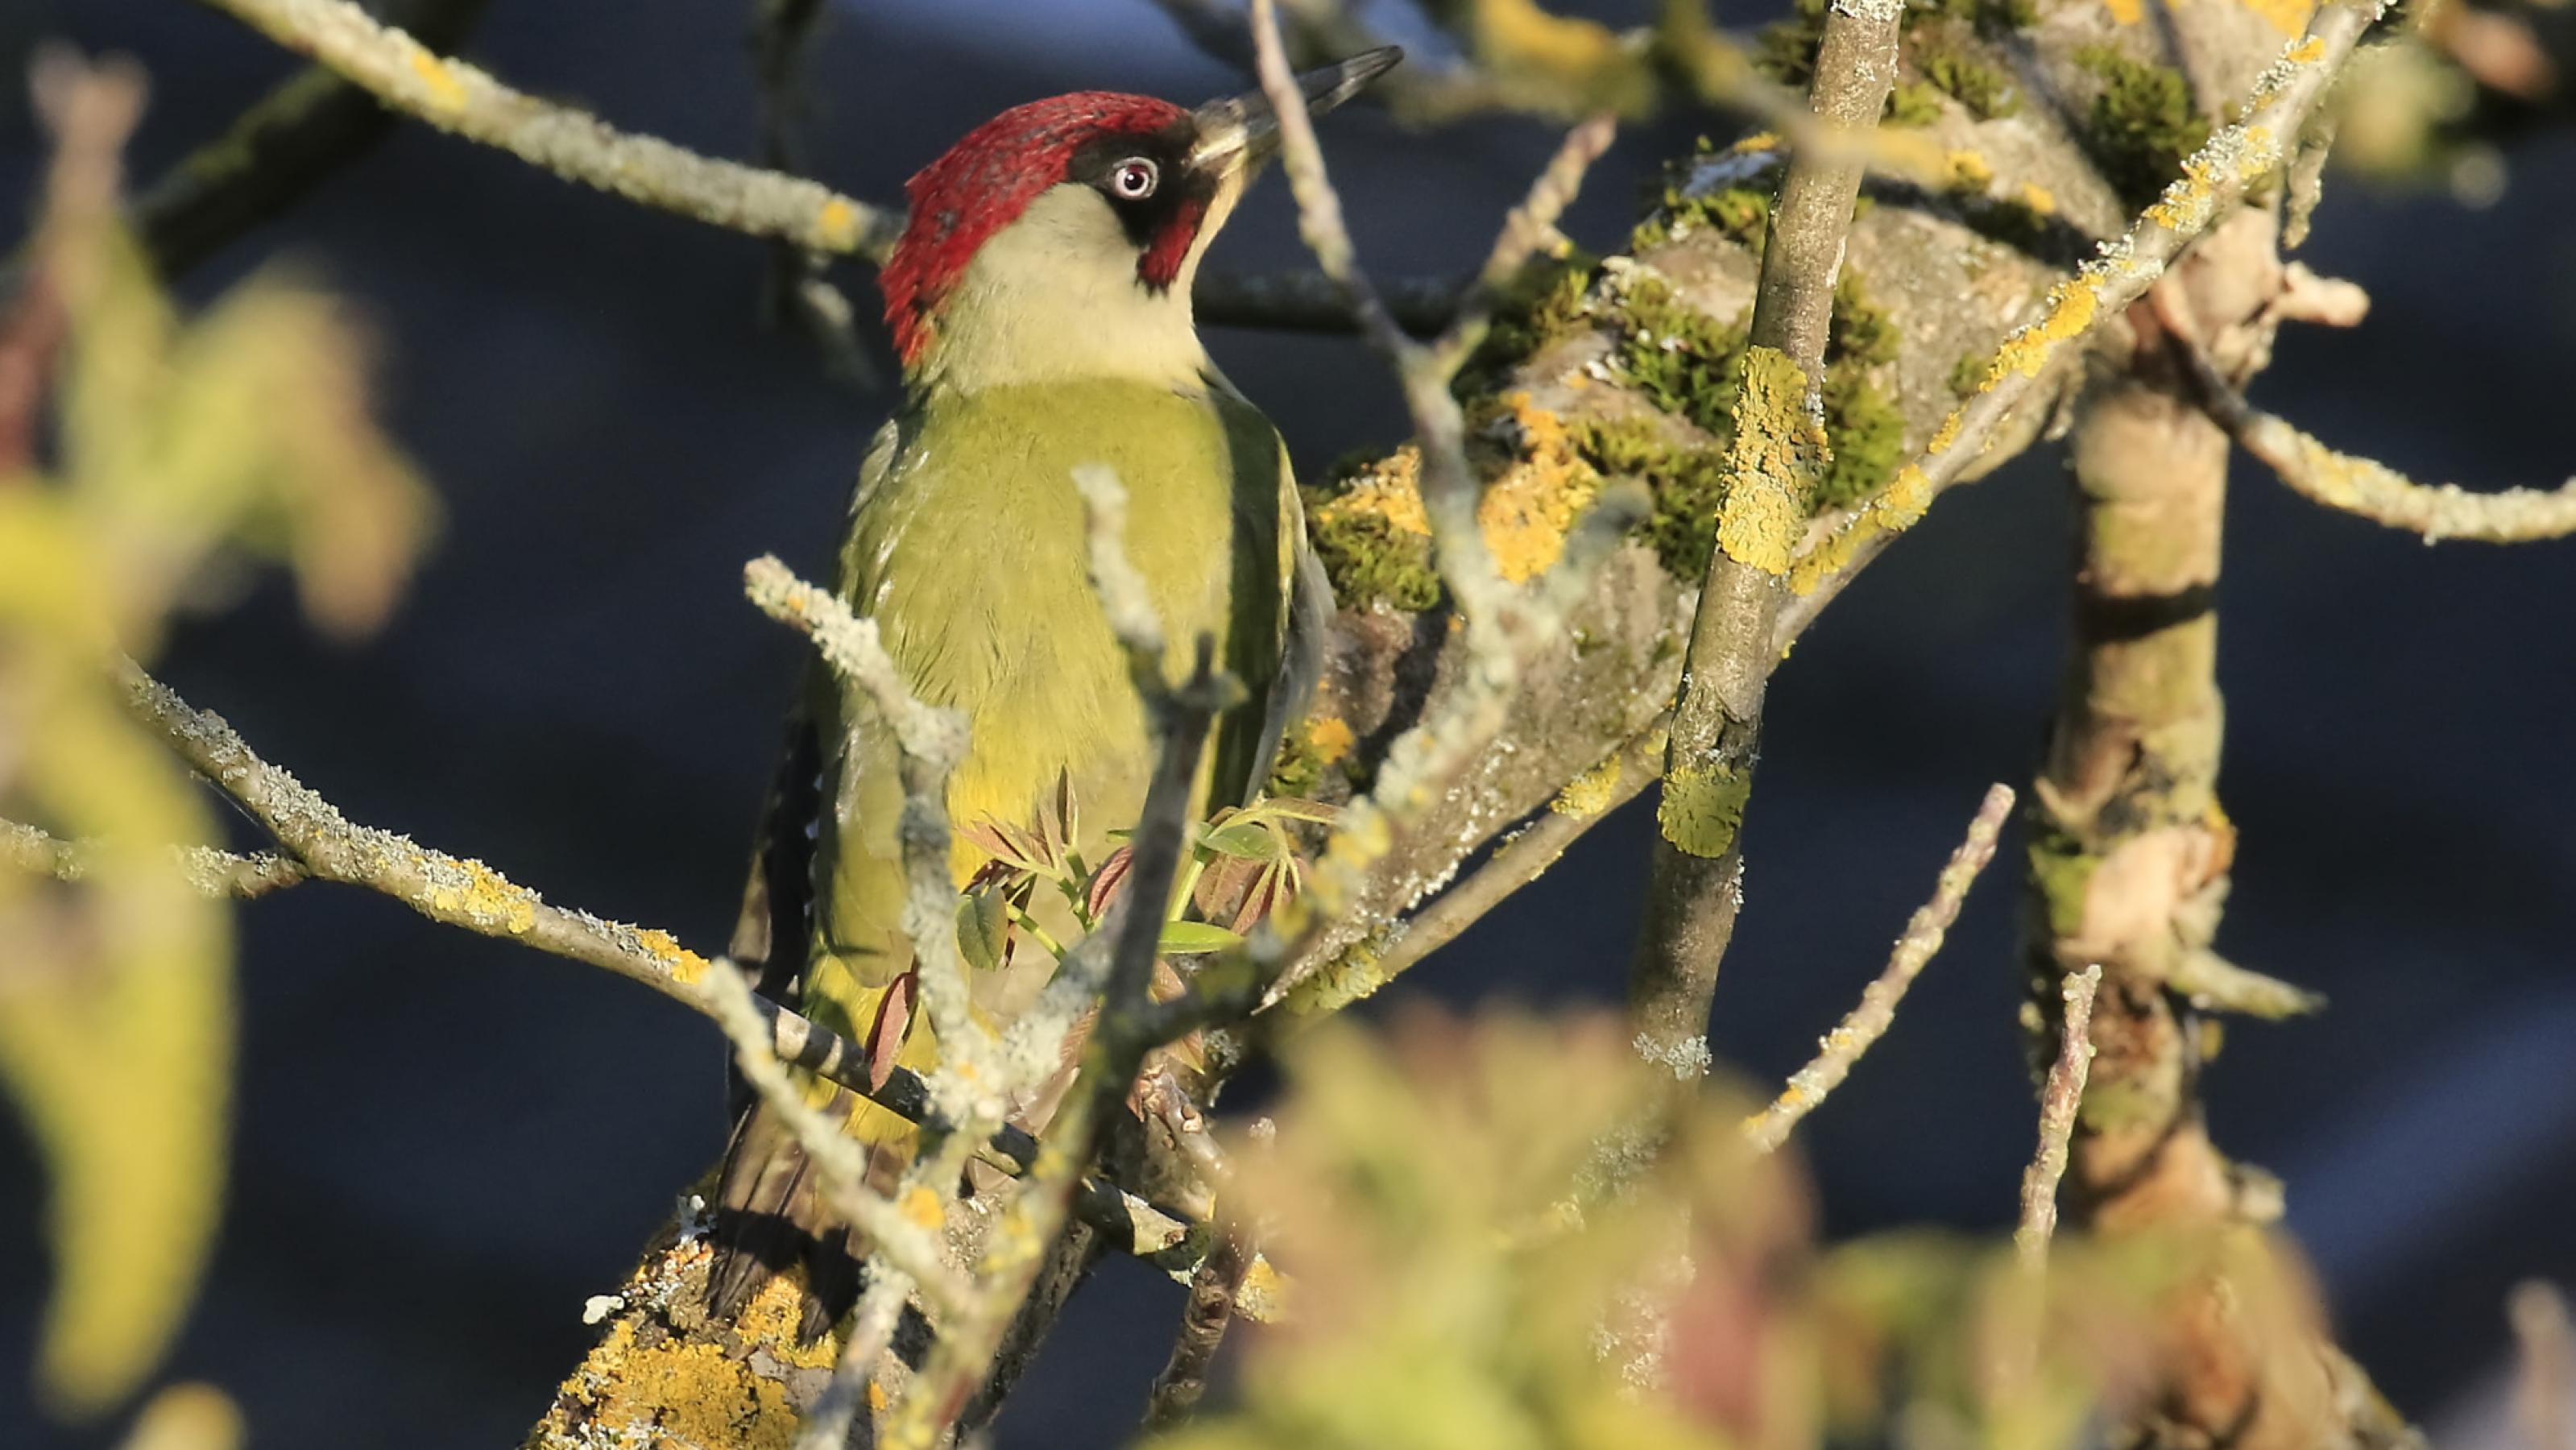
(456, 891)
(2374, 491)
(2234, 159)
(210, 871)
(1869, 1021)
(2058, 1099)
(1503, 625)
(1696, 887)
(409, 77)
(321, 843)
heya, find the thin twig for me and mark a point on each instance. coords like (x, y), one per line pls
(1309, 302)
(453, 96)
(1584, 803)
(2374, 491)
(1125, 600)
(799, 290)
(1204, 1320)
(1695, 890)
(1525, 229)
(1869, 1021)
(826, 1425)
(207, 870)
(2058, 1100)
(2235, 158)
(1117, 1047)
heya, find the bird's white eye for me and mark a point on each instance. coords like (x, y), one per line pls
(1133, 179)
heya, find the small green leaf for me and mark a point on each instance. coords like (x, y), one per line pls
(1186, 938)
(1243, 840)
(984, 928)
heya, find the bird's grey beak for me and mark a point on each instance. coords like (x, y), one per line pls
(1240, 132)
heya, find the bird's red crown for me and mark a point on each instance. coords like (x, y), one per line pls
(983, 183)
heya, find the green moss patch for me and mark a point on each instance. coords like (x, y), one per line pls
(2141, 125)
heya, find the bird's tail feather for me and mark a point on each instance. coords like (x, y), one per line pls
(770, 1219)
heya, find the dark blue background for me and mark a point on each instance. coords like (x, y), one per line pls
(446, 1143)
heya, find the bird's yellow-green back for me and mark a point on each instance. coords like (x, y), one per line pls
(966, 547)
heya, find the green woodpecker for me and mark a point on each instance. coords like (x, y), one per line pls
(1040, 303)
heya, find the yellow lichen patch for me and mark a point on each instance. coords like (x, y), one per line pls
(1525, 513)
(2039, 199)
(878, 1399)
(1770, 464)
(2127, 12)
(2070, 310)
(1965, 170)
(685, 965)
(2237, 157)
(1330, 737)
(921, 1205)
(690, 1393)
(1263, 1299)
(1391, 490)
(2289, 17)
(1702, 808)
(1758, 141)
(1898, 507)
(446, 93)
(487, 899)
(1590, 793)
(2306, 52)
(838, 225)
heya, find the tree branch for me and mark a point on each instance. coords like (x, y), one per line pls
(208, 871)
(2371, 490)
(1204, 1320)
(1695, 889)
(2057, 1103)
(1311, 302)
(1869, 1021)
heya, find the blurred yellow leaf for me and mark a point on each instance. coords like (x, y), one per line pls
(248, 425)
(1473, 1223)
(175, 441)
(116, 1037)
